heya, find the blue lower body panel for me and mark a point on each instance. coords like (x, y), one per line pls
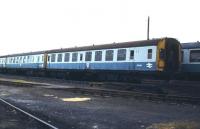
(139, 66)
(191, 67)
(67, 66)
(27, 65)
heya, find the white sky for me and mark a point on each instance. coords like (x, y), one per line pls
(31, 25)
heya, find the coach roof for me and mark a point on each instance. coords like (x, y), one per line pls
(108, 46)
(190, 45)
(152, 42)
(24, 54)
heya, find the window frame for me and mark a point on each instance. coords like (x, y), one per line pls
(75, 57)
(107, 57)
(67, 56)
(96, 56)
(121, 56)
(88, 56)
(149, 53)
(59, 57)
(53, 58)
(81, 57)
(130, 56)
(190, 55)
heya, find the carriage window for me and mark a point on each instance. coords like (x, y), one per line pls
(67, 55)
(20, 59)
(88, 56)
(42, 58)
(149, 56)
(121, 54)
(98, 55)
(28, 59)
(182, 56)
(74, 57)
(24, 59)
(48, 58)
(53, 57)
(109, 55)
(59, 59)
(81, 57)
(195, 56)
(132, 54)
(32, 59)
(38, 59)
(16, 59)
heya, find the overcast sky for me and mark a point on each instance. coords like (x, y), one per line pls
(31, 25)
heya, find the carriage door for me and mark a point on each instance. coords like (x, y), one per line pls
(131, 59)
(88, 59)
(46, 58)
(4, 62)
(80, 61)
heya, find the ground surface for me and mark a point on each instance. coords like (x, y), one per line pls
(13, 119)
(77, 111)
(173, 87)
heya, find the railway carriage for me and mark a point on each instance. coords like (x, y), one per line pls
(109, 61)
(148, 55)
(190, 67)
(24, 63)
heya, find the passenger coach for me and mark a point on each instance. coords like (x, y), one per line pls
(148, 55)
(116, 60)
(190, 68)
(191, 57)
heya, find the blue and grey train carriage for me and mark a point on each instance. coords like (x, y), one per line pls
(116, 61)
(149, 55)
(22, 63)
(191, 59)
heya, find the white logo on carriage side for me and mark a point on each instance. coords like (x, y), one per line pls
(149, 65)
(139, 65)
(87, 65)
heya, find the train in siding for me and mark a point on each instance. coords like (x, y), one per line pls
(190, 67)
(124, 61)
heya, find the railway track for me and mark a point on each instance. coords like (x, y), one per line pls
(42, 122)
(150, 90)
(137, 95)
